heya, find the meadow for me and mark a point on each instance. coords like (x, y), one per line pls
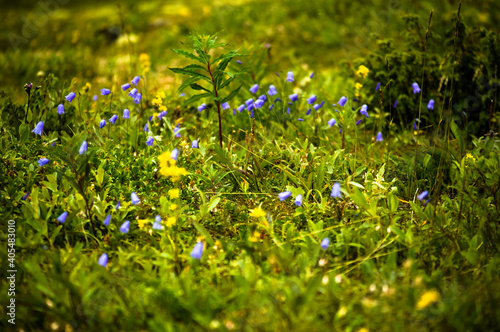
(250, 165)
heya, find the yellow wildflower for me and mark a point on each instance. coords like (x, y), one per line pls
(171, 221)
(162, 108)
(427, 299)
(173, 193)
(255, 237)
(363, 71)
(141, 222)
(87, 87)
(168, 167)
(358, 86)
(257, 212)
(173, 207)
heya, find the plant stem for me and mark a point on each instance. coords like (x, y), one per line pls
(217, 102)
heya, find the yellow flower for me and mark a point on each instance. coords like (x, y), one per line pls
(363, 71)
(171, 221)
(358, 86)
(255, 237)
(141, 222)
(87, 87)
(427, 299)
(173, 193)
(173, 207)
(168, 167)
(143, 57)
(257, 212)
(162, 108)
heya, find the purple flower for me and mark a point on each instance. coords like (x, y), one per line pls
(258, 103)
(430, 105)
(124, 228)
(125, 86)
(150, 141)
(95, 98)
(197, 251)
(354, 99)
(289, 77)
(251, 114)
(175, 154)
(415, 125)
(300, 119)
(288, 110)
(377, 87)
(250, 107)
(102, 123)
(416, 89)
(62, 217)
(146, 127)
(379, 137)
(26, 195)
(105, 92)
(294, 97)
(298, 200)
(364, 110)
(311, 99)
(272, 90)
(162, 114)
(182, 94)
(325, 243)
(234, 111)
(157, 226)
(60, 109)
(249, 102)
(239, 62)
(117, 205)
(43, 162)
(134, 199)
(70, 97)
(277, 99)
(103, 260)
(263, 97)
(132, 93)
(135, 80)
(137, 98)
(241, 108)
(254, 88)
(126, 114)
(194, 145)
(113, 119)
(308, 112)
(150, 118)
(83, 148)
(340, 131)
(225, 106)
(336, 190)
(423, 195)
(177, 131)
(202, 107)
(317, 107)
(332, 122)
(107, 220)
(395, 104)
(358, 122)
(312, 75)
(271, 107)
(342, 101)
(284, 195)
(38, 128)
(158, 218)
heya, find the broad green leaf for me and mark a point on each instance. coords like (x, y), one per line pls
(231, 95)
(189, 73)
(198, 87)
(196, 98)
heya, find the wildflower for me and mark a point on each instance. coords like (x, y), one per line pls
(105, 92)
(43, 162)
(150, 141)
(150, 118)
(254, 88)
(430, 105)
(175, 154)
(263, 97)
(132, 93)
(395, 104)
(317, 107)
(308, 111)
(340, 131)
(124, 228)
(117, 205)
(332, 122)
(126, 114)
(62, 217)
(202, 107)
(289, 77)
(173, 207)
(102, 123)
(258, 103)
(137, 98)
(70, 97)
(379, 137)
(249, 102)
(300, 119)
(38, 128)
(239, 62)
(107, 220)
(311, 99)
(364, 110)
(103, 260)
(293, 97)
(197, 250)
(174, 193)
(272, 90)
(416, 89)
(342, 101)
(95, 98)
(125, 87)
(284, 195)
(171, 221)
(146, 127)
(288, 110)
(363, 71)
(113, 119)
(271, 107)
(60, 109)
(257, 213)
(225, 106)
(358, 86)
(358, 122)
(325, 243)
(182, 94)
(134, 199)
(194, 144)
(312, 75)
(277, 99)
(234, 111)
(423, 195)
(135, 80)
(177, 131)
(241, 108)
(250, 108)
(157, 226)
(415, 125)
(427, 299)
(162, 114)
(377, 87)
(26, 196)
(336, 190)
(83, 148)
(298, 200)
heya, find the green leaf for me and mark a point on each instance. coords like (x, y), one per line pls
(195, 86)
(100, 176)
(203, 231)
(188, 55)
(226, 83)
(231, 95)
(189, 73)
(456, 132)
(192, 67)
(196, 98)
(187, 83)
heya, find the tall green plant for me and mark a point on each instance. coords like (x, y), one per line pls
(213, 72)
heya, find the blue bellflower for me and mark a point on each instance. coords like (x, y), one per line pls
(126, 114)
(364, 110)
(105, 92)
(202, 107)
(38, 128)
(70, 96)
(132, 93)
(415, 87)
(103, 260)
(225, 106)
(113, 119)
(194, 145)
(175, 154)
(102, 123)
(289, 77)
(254, 88)
(134, 199)
(298, 200)
(124, 228)
(336, 190)
(311, 99)
(342, 101)
(62, 217)
(284, 195)
(60, 109)
(135, 80)
(332, 122)
(83, 148)
(272, 90)
(43, 162)
(430, 105)
(377, 87)
(137, 98)
(294, 97)
(125, 87)
(197, 251)
(150, 141)
(379, 137)
(325, 243)
(107, 220)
